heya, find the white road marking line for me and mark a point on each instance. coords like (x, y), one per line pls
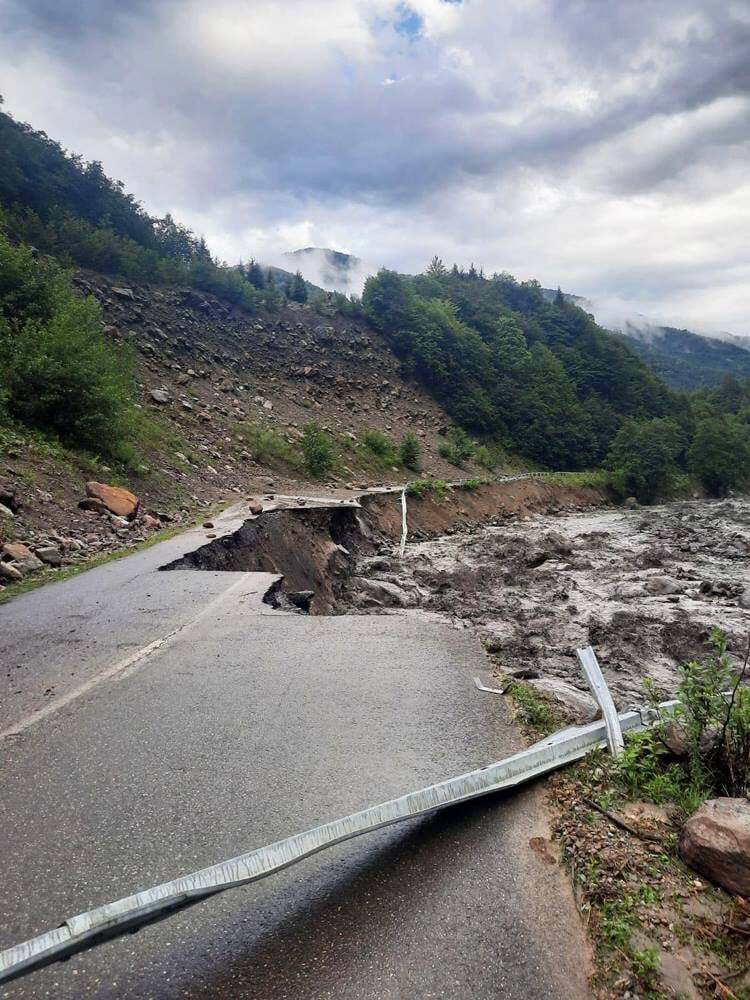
(120, 669)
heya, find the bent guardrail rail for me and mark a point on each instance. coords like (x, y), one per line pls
(91, 928)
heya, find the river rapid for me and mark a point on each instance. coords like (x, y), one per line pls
(643, 586)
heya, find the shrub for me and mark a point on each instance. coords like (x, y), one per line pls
(458, 448)
(714, 716)
(488, 456)
(720, 453)
(318, 451)
(379, 444)
(421, 487)
(60, 373)
(409, 452)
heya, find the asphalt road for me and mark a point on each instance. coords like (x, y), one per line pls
(156, 723)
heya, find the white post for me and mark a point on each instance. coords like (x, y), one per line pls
(402, 546)
(587, 659)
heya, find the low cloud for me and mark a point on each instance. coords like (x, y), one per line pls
(602, 147)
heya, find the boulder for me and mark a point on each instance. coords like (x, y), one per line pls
(160, 396)
(124, 293)
(91, 503)
(49, 554)
(116, 500)
(23, 558)
(715, 842)
(389, 594)
(582, 706)
(9, 498)
(661, 585)
(9, 572)
(150, 522)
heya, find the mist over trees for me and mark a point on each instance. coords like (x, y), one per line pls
(519, 372)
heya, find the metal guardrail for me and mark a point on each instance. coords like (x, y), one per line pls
(597, 684)
(112, 919)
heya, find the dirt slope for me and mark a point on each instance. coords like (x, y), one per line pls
(212, 378)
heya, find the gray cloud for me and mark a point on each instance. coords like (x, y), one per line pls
(603, 146)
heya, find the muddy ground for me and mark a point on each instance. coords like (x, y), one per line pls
(643, 586)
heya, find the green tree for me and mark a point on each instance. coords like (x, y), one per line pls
(409, 452)
(644, 456)
(255, 275)
(297, 290)
(59, 371)
(318, 451)
(720, 454)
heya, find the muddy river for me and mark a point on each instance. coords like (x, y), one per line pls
(643, 586)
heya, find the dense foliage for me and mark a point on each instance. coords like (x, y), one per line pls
(70, 209)
(58, 372)
(686, 360)
(538, 376)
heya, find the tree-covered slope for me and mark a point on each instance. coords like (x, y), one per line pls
(686, 360)
(539, 376)
(70, 209)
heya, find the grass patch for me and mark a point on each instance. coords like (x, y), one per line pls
(598, 479)
(532, 710)
(436, 488)
(268, 446)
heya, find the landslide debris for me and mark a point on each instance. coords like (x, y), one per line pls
(643, 586)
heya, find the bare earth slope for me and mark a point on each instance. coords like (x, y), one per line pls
(211, 378)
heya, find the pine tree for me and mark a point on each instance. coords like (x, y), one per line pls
(437, 268)
(255, 275)
(297, 290)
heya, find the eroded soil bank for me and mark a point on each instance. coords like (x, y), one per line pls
(643, 586)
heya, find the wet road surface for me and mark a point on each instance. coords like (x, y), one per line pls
(246, 725)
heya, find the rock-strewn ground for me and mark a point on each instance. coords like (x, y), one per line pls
(207, 374)
(643, 586)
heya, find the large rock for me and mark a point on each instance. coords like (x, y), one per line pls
(117, 500)
(9, 572)
(715, 842)
(663, 585)
(50, 554)
(384, 592)
(581, 705)
(22, 558)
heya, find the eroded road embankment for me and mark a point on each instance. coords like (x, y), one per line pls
(537, 569)
(241, 726)
(318, 549)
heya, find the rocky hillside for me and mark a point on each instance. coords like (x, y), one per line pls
(227, 395)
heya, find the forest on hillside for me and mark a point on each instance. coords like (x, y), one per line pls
(517, 373)
(541, 378)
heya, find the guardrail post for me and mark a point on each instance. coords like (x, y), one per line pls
(587, 659)
(402, 546)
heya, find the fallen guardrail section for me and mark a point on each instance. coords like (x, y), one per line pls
(112, 919)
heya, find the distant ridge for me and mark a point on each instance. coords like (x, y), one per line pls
(331, 269)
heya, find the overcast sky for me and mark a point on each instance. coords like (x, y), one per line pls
(602, 145)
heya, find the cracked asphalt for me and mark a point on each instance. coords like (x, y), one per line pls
(244, 726)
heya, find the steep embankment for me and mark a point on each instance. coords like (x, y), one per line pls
(227, 395)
